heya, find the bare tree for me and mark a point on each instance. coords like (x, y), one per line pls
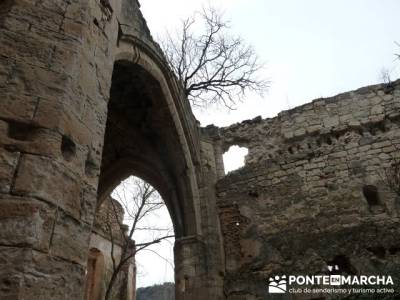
(137, 204)
(213, 65)
(385, 76)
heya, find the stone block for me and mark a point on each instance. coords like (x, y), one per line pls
(66, 58)
(331, 121)
(65, 116)
(377, 110)
(61, 280)
(376, 100)
(314, 128)
(31, 80)
(88, 204)
(79, 12)
(26, 49)
(31, 13)
(299, 132)
(70, 239)
(29, 274)
(287, 134)
(27, 138)
(17, 107)
(94, 116)
(45, 179)
(56, 6)
(12, 260)
(27, 222)
(8, 163)
(49, 112)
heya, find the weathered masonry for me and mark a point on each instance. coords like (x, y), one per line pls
(87, 99)
(312, 192)
(106, 243)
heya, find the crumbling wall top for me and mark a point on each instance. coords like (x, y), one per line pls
(316, 126)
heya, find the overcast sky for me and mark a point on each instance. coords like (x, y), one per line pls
(312, 49)
(154, 263)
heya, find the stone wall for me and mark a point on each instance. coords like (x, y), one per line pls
(109, 216)
(62, 128)
(87, 99)
(52, 117)
(106, 242)
(312, 191)
(125, 285)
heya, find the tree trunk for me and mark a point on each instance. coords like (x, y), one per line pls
(110, 285)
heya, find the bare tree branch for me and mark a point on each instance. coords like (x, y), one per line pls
(110, 231)
(213, 66)
(163, 258)
(144, 245)
(139, 202)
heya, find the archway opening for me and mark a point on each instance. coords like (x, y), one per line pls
(144, 138)
(153, 233)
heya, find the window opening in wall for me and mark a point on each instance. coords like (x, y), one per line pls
(155, 262)
(371, 195)
(234, 158)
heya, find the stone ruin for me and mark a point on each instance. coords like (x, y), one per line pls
(87, 99)
(109, 236)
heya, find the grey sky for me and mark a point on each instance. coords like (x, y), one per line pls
(155, 263)
(312, 49)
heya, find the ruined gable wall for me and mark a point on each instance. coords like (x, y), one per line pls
(298, 203)
(110, 216)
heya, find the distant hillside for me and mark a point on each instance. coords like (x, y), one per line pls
(165, 291)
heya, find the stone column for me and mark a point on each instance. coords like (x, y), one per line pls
(53, 105)
(190, 279)
(219, 162)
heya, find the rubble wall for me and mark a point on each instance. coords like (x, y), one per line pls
(312, 191)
